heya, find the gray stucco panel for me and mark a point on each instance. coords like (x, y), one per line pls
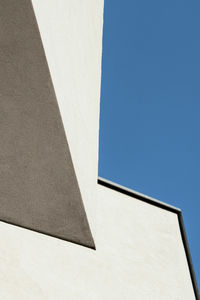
(38, 185)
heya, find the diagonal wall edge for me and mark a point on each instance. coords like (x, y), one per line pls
(39, 189)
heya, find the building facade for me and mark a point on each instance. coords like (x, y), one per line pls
(64, 234)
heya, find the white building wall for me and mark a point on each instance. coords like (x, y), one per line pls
(139, 252)
(71, 32)
(139, 255)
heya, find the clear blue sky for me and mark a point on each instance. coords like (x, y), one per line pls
(150, 104)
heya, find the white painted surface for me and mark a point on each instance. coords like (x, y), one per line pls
(139, 256)
(71, 31)
(139, 253)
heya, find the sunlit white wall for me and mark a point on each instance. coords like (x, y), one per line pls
(71, 32)
(139, 253)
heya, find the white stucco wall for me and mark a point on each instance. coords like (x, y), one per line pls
(139, 253)
(71, 31)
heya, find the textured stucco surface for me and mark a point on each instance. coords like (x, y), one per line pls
(139, 255)
(38, 186)
(139, 252)
(71, 32)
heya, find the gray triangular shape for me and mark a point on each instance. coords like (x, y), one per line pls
(38, 185)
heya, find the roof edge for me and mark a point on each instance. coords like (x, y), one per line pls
(137, 195)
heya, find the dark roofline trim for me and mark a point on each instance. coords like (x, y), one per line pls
(188, 255)
(136, 195)
(162, 205)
